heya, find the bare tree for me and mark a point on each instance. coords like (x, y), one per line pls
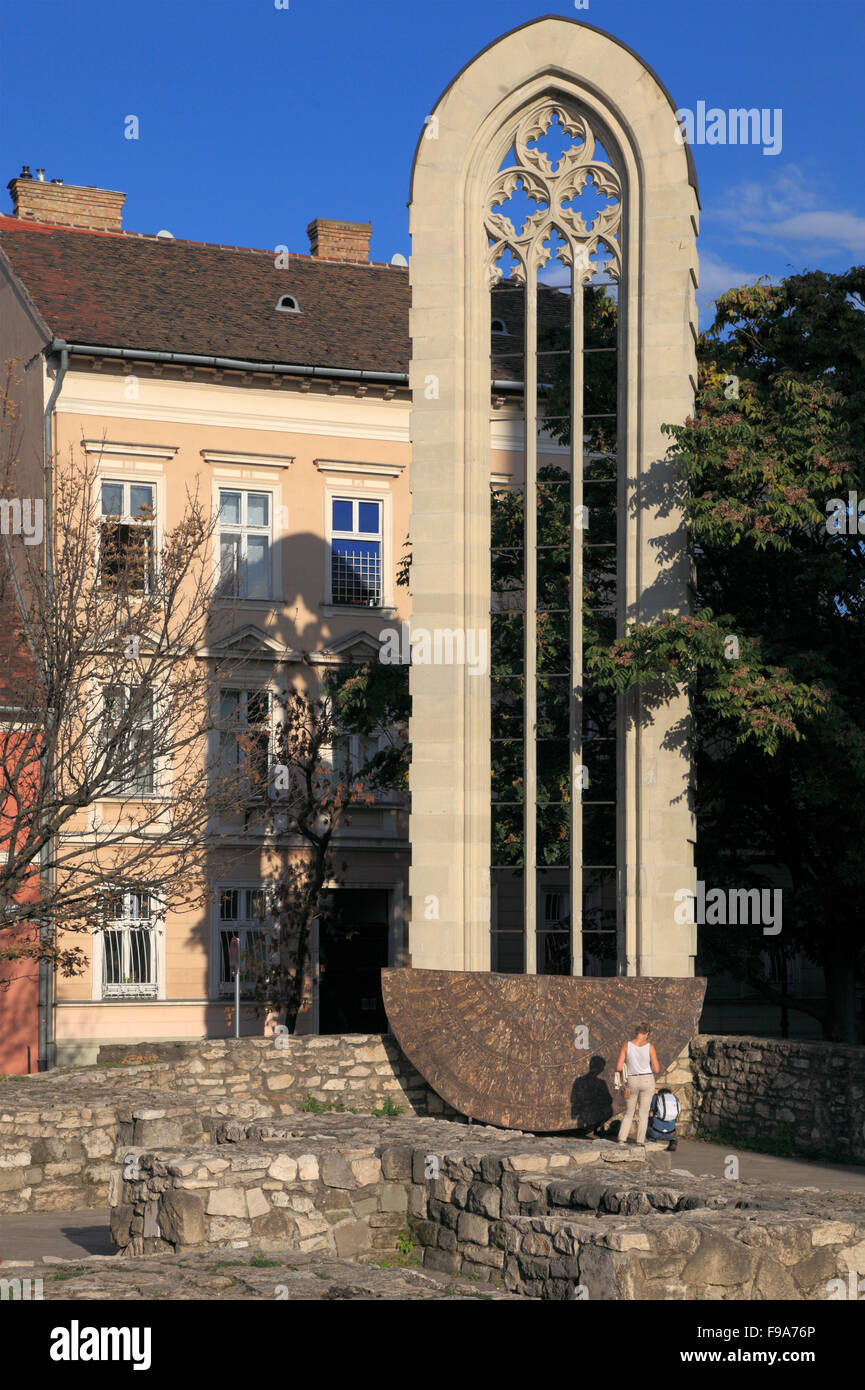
(312, 792)
(106, 782)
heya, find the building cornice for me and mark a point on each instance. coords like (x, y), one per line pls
(117, 449)
(372, 470)
(235, 459)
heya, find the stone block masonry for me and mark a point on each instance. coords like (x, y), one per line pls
(309, 1196)
(806, 1098)
(62, 1136)
(596, 1231)
(549, 1218)
(335, 1183)
(356, 1070)
(61, 1132)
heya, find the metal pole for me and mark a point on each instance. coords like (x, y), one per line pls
(530, 824)
(577, 586)
(234, 963)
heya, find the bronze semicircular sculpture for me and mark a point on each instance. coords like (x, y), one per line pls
(533, 1052)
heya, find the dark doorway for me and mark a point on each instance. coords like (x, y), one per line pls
(353, 945)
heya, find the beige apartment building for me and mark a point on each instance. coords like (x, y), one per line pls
(277, 386)
(523, 370)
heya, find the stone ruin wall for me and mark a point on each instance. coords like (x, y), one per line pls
(546, 1218)
(61, 1132)
(808, 1097)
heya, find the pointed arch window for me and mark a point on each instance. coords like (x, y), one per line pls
(554, 261)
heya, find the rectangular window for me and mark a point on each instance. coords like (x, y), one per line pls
(129, 947)
(126, 535)
(356, 552)
(245, 542)
(128, 710)
(245, 740)
(242, 913)
(350, 753)
(554, 927)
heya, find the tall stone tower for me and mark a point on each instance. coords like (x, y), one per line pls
(554, 215)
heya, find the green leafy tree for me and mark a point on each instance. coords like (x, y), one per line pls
(773, 651)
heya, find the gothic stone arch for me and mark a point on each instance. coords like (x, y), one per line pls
(601, 87)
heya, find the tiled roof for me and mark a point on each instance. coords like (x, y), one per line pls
(116, 289)
(121, 290)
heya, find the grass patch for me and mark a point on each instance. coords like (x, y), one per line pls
(134, 1061)
(395, 1261)
(68, 1274)
(403, 1253)
(388, 1108)
(225, 1264)
(318, 1107)
(262, 1262)
(313, 1106)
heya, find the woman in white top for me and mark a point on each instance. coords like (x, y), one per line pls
(643, 1067)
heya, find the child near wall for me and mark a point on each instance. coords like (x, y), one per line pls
(663, 1114)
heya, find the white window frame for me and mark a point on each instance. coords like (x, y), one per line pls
(244, 486)
(380, 795)
(160, 765)
(127, 481)
(385, 502)
(238, 685)
(244, 924)
(130, 993)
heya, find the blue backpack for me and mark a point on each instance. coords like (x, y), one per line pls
(663, 1113)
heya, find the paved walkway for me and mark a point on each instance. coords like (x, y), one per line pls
(705, 1159)
(68, 1234)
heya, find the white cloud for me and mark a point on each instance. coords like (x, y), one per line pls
(784, 210)
(777, 195)
(556, 275)
(838, 228)
(717, 275)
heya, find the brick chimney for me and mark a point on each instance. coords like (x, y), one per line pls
(34, 200)
(339, 241)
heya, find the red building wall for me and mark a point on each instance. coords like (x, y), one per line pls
(19, 979)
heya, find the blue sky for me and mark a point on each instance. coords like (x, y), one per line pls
(253, 119)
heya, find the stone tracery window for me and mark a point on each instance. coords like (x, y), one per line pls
(554, 261)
